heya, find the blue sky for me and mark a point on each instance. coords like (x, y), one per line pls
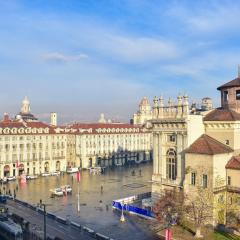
(84, 57)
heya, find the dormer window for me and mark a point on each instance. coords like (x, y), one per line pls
(237, 94)
(225, 96)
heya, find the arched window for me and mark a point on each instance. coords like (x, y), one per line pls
(171, 164)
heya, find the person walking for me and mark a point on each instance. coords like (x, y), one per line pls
(101, 189)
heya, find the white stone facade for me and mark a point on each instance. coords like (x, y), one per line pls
(174, 129)
(39, 147)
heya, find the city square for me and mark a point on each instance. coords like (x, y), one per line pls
(119, 119)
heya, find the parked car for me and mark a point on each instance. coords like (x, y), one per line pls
(56, 192)
(30, 177)
(46, 174)
(55, 173)
(11, 178)
(72, 170)
(66, 188)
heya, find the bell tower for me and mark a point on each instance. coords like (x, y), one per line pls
(25, 106)
(230, 94)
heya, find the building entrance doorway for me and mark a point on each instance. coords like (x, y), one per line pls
(6, 171)
(20, 169)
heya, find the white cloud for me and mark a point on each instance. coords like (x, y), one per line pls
(139, 49)
(60, 57)
(212, 18)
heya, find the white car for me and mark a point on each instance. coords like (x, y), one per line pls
(55, 173)
(95, 170)
(46, 174)
(30, 177)
(72, 170)
(57, 192)
(66, 188)
(12, 178)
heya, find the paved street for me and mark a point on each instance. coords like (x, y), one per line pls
(99, 216)
(54, 229)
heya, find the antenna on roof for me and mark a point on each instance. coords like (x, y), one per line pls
(239, 70)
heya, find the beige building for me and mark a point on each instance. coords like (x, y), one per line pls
(110, 144)
(144, 113)
(40, 147)
(218, 167)
(174, 128)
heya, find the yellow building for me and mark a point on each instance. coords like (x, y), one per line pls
(207, 156)
(39, 147)
(110, 144)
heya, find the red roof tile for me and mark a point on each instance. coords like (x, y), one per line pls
(208, 145)
(234, 83)
(222, 115)
(234, 163)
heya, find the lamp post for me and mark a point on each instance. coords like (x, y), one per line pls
(44, 219)
(122, 219)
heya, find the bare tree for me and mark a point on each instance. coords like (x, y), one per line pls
(169, 208)
(198, 207)
(177, 207)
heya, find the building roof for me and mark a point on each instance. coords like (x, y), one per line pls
(220, 114)
(106, 128)
(234, 163)
(17, 127)
(27, 116)
(208, 145)
(234, 83)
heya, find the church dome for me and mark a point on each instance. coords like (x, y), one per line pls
(144, 102)
(25, 100)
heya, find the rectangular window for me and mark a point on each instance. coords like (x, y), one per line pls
(225, 96)
(238, 94)
(171, 138)
(193, 178)
(205, 181)
(229, 180)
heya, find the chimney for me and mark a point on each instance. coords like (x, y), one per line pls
(53, 118)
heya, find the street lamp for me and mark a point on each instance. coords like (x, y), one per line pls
(122, 219)
(44, 219)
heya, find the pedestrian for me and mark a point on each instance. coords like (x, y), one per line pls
(140, 172)
(101, 188)
(101, 205)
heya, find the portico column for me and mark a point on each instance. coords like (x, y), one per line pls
(179, 156)
(155, 153)
(160, 154)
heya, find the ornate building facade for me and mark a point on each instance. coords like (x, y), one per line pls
(34, 147)
(174, 129)
(144, 113)
(110, 144)
(204, 152)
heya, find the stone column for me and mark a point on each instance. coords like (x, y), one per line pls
(155, 153)
(160, 154)
(179, 156)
